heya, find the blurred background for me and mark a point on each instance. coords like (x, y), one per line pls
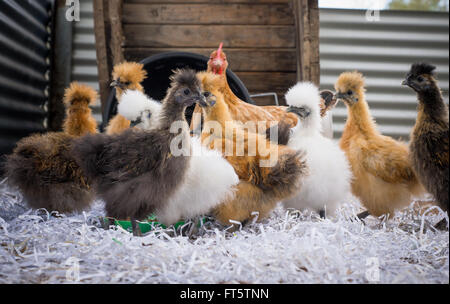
(380, 38)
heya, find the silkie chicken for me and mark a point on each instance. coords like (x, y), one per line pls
(137, 171)
(243, 112)
(262, 185)
(328, 183)
(209, 179)
(429, 151)
(384, 179)
(141, 110)
(126, 76)
(42, 166)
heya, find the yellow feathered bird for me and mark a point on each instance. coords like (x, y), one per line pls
(384, 179)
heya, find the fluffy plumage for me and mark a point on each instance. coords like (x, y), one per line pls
(126, 76)
(79, 120)
(328, 183)
(209, 179)
(137, 171)
(261, 187)
(384, 179)
(42, 166)
(429, 144)
(422, 68)
(140, 109)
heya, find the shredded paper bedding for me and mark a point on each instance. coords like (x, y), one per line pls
(289, 247)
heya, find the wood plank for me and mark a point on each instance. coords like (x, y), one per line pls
(307, 37)
(260, 14)
(315, 41)
(248, 60)
(209, 36)
(259, 82)
(117, 38)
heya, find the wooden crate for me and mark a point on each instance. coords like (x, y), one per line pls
(270, 44)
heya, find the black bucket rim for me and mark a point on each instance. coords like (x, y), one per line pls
(107, 114)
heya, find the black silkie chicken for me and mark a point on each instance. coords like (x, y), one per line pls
(135, 172)
(429, 147)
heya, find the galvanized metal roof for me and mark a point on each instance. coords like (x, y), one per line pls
(24, 69)
(383, 51)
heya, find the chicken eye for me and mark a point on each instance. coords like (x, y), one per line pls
(350, 92)
(420, 79)
(187, 92)
(206, 94)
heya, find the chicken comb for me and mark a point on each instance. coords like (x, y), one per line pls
(219, 50)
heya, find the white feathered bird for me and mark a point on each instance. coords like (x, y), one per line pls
(210, 179)
(329, 181)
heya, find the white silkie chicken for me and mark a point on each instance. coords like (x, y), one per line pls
(329, 181)
(210, 179)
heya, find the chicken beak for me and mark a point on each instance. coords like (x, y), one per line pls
(114, 84)
(200, 100)
(405, 82)
(340, 96)
(117, 84)
(301, 112)
(136, 122)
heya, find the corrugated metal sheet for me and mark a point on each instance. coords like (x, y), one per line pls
(24, 69)
(383, 51)
(84, 58)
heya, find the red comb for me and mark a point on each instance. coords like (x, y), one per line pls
(219, 51)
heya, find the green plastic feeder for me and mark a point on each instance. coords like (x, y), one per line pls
(145, 227)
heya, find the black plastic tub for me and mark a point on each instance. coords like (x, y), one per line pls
(159, 69)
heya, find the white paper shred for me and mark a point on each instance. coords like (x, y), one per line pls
(290, 247)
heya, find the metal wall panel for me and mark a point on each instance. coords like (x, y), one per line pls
(383, 51)
(84, 58)
(24, 69)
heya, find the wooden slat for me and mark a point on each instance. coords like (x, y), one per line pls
(209, 36)
(251, 14)
(249, 60)
(104, 64)
(307, 37)
(260, 82)
(115, 16)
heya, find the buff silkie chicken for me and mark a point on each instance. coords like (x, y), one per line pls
(209, 179)
(268, 173)
(328, 183)
(126, 76)
(137, 172)
(43, 168)
(384, 179)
